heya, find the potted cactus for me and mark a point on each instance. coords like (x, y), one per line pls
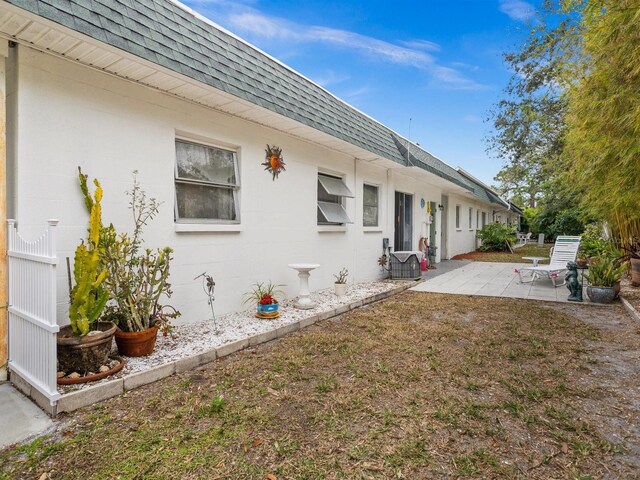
(138, 281)
(340, 285)
(85, 344)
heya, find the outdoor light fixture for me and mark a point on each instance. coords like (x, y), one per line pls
(440, 207)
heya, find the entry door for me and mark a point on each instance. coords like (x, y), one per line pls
(444, 225)
(432, 228)
(403, 224)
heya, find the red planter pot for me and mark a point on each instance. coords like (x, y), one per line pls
(136, 344)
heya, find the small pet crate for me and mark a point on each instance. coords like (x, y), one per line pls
(405, 265)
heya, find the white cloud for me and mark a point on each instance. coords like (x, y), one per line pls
(517, 10)
(330, 78)
(412, 53)
(265, 26)
(358, 92)
(422, 45)
(466, 66)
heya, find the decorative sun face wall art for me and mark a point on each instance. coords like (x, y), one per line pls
(274, 163)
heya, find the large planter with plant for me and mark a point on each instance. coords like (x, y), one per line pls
(340, 285)
(87, 353)
(603, 275)
(601, 294)
(267, 305)
(635, 271)
(85, 344)
(138, 281)
(632, 253)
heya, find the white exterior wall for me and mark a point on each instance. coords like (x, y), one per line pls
(68, 115)
(463, 239)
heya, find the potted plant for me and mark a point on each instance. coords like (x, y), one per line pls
(85, 344)
(264, 296)
(340, 285)
(603, 275)
(632, 251)
(138, 281)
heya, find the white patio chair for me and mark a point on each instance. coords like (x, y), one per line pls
(565, 250)
(522, 239)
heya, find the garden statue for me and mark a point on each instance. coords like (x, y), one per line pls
(574, 286)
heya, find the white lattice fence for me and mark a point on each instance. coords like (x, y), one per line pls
(32, 309)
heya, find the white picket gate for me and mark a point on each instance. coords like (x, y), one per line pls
(32, 309)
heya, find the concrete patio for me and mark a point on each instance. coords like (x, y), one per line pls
(20, 418)
(491, 280)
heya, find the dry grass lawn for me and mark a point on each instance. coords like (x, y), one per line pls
(421, 386)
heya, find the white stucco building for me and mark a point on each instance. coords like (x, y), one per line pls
(119, 86)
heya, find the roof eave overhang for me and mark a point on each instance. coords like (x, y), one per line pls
(29, 29)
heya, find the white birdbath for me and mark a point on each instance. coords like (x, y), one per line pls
(304, 301)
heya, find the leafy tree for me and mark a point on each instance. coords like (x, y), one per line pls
(529, 122)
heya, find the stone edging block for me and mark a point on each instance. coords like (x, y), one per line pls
(231, 347)
(90, 395)
(287, 329)
(306, 322)
(187, 363)
(263, 337)
(630, 309)
(149, 376)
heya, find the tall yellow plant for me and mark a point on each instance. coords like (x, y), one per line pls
(603, 122)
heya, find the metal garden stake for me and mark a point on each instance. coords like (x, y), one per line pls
(208, 285)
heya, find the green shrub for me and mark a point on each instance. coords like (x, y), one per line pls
(495, 237)
(594, 245)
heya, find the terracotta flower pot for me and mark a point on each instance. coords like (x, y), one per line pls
(582, 262)
(136, 344)
(84, 354)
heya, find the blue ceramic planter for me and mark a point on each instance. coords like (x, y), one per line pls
(262, 309)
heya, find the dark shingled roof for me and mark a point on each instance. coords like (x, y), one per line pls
(166, 34)
(483, 192)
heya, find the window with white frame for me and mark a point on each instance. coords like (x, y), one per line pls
(331, 194)
(458, 217)
(477, 219)
(484, 218)
(207, 184)
(370, 206)
(470, 218)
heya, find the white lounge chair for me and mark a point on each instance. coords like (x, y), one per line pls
(565, 250)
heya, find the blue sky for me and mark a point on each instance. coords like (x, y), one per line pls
(436, 62)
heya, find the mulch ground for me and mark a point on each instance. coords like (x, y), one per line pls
(420, 386)
(530, 250)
